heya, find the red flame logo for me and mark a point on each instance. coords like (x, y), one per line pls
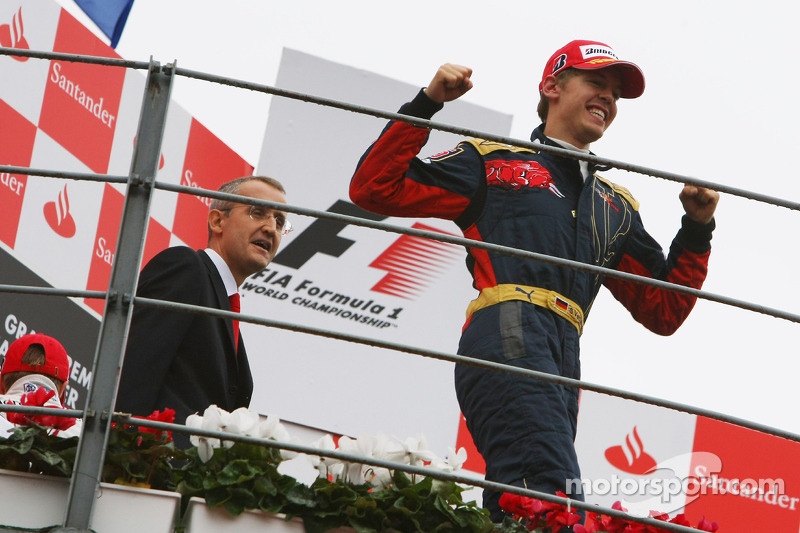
(11, 35)
(58, 217)
(631, 457)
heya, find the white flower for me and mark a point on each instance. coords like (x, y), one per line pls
(299, 468)
(217, 419)
(205, 449)
(205, 445)
(268, 427)
(418, 452)
(324, 464)
(361, 446)
(243, 421)
(271, 428)
(452, 463)
(412, 451)
(376, 476)
(457, 459)
(213, 418)
(390, 449)
(194, 421)
(378, 446)
(336, 470)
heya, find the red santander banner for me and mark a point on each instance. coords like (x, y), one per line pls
(650, 458)
(758, 485)
(16, 140)
(81, 101)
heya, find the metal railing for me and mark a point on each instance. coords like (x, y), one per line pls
(98, 413)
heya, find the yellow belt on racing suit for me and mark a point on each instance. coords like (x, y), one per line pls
(548, 299)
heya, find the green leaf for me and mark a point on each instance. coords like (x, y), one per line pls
(217, 497)
(236, 471)
(301, 495)
(242, 497)
(264, 485)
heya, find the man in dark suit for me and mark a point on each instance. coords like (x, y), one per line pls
(187, 361)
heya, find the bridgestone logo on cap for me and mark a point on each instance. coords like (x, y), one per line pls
(560, 63)
(592, 50)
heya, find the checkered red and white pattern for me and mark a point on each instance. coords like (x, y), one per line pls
(83, 118)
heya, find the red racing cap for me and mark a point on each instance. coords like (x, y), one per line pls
(56, 362)
(590, 55)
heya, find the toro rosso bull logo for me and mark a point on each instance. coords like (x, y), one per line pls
(517, 174)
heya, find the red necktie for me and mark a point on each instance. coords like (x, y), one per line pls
(234, 299)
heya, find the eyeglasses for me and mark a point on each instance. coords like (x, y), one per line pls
(262, 215)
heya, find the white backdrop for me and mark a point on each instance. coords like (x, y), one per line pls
(341, 386)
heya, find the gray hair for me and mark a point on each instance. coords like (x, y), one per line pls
(233, 186)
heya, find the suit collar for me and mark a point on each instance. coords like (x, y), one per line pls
(223, 270)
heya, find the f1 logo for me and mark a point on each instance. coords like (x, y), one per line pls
(322, 236)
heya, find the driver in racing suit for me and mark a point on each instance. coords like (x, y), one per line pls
(529, 313)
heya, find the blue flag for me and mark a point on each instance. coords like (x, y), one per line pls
(109, 15)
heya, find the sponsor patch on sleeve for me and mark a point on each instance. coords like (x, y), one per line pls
(444, 155)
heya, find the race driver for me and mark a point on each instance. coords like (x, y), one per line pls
(529, 313)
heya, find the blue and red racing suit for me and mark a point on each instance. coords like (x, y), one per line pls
(525, 428)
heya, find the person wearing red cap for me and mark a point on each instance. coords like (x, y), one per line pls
(530, 313)
(37, 361)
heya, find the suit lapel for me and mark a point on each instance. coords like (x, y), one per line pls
(221, 296)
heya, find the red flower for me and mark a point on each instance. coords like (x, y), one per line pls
(528, 509)
(614, 525)
(636, 527)
(592, 525)
(680, 519)
(705, 526)
(538, 513)
(558, 516)
(38, 398)
(553, 517)
(167, 416)
(558, 520)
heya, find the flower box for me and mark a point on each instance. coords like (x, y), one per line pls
(199, 518)
(239, 473)
(35, 501)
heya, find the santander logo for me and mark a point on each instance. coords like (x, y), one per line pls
(58, 216)
(630, 457)
(11, 35)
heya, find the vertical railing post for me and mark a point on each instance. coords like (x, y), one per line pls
(121, 290)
